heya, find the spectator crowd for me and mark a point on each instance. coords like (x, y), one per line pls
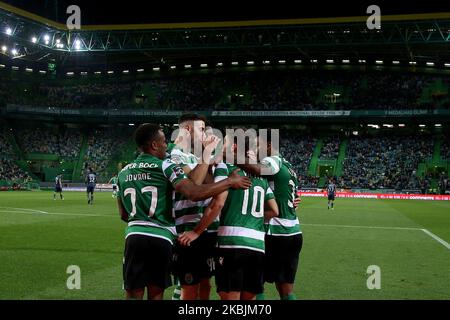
(297, 149)
(288, 89)
(330, 148)
(102, 144)
(385, 162)
(9, 171)
(5, 146)
(371, 162)
(65, 143)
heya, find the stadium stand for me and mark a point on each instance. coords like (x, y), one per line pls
(102, 144)
(330, 148)
(249, 90)
(445, 148)
(9, 171)
(309, 181)
(371, 162)
(299, 156)
(297, 149)
(6, 149)
(65, 144)
(385, 162)
(444, 184)
(70, 144)
(37, 140)
(399, 91)
(88, 95)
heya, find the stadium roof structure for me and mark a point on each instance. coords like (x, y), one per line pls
(411, 37)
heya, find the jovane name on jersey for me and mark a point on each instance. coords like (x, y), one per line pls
(138, 176)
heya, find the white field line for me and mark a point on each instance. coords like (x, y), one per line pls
(32, 211)
(24, 209)
(432, 235)
(435, 237)
(360, 227)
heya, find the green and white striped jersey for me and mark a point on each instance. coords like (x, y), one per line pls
(188, 213)
(284, 184)
(146, 186)
(170, 147)
(242, 218)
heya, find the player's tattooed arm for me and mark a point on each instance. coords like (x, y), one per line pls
(123, 213)
(266, 167)
(270, 209)
(254, 169)
(196, 193)
(211, 213)
(198, 174)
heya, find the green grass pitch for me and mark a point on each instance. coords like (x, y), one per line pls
(40, 238)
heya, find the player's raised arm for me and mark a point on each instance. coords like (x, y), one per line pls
(270, 162)
(196, 193)
(268, 166)
(255, 169)
(197, 172)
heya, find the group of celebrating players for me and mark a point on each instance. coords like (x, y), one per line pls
(195, 216)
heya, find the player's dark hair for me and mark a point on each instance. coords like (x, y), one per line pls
(208, 124)
(191, 117)
(146, 133)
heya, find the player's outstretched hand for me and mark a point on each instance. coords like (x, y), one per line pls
(186, 238)
(239, 182)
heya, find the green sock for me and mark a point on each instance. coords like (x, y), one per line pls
(289, 297)
(260, 296)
